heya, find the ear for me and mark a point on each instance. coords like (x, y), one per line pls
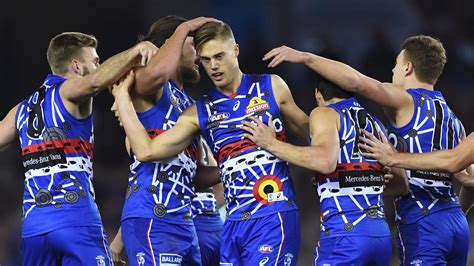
(75, 67)
(236, 50)
(409, 68)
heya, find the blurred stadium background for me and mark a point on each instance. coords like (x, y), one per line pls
(365, 34)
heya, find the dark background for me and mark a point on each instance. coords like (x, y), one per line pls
(365, 34)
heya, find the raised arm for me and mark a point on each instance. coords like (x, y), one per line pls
(164, 65)
(385, 94)
(453, 160)
(295, 119)
(78, 89)
(321, 156)
(8, 129)
(163, 146)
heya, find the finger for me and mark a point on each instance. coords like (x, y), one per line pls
(143, 63)
(271, 54)
(248, 129)
(367, 147)
(387, 169)
(366, 141)
(277, 60)
(270, 122)
(249, 124)
(383, 137)
(367, 155)
(249, 136)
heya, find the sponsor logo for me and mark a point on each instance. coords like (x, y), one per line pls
(275, 196)
(263, 261)
(257, 105)
(236, 106)
(288, 259)
(416, 262)
(265, 249)
(100, 260)
(45, 158)
(215, 119)
(175, 100)
(167, 259)
(140, 258)
(364, 178)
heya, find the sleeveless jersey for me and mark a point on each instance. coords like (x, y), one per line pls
(256, 182)
(351, 197)
(57, 152)
(163, 189)
(432, 127)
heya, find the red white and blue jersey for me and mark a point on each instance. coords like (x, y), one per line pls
(57, 151)
(256, 182)
(204, 203)
(433, 127)
(163, 189)
(351, 197)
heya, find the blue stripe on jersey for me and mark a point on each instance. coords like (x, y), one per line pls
(163, 189)
(57, 155)
(351, 199)
(256, 182)
(432, 127)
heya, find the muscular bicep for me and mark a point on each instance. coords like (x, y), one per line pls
(295, 119)
(385, 94)
(324, 132)
(8, 129)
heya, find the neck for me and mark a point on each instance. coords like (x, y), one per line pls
(233, 85)
(418, 84)
(334, 100)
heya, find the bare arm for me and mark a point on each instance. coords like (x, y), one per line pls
(321, 156)
(163, 146)
(295, 119)
(78, 89)
(344, 76)
(398, 185)
(207, 174)
(164, 65)
(452, 161)
(8, 129)
(116, 248)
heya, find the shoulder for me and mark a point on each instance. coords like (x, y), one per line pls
(323, 113)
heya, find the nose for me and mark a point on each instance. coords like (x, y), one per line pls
(214, 64)
(113, 108)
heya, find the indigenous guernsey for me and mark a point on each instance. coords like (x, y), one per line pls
(351, 197)
(163, 189)
(431, 201)
(353, 226)
(256, 182)
(57, 154)
(432, 127)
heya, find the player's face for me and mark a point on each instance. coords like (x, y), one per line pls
(188, 68)
(88, 60)
(399, 70)
(219, 59)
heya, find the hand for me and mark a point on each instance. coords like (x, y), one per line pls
(260, 134)
(194, 24)
(284, 53)
(371, 147)
(387, 174)
(116, 248)
(146, 50)
(122, 87)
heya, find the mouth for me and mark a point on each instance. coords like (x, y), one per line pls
(217, 76)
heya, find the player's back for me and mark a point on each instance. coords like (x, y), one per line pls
(432, 127)
(163, 189)
(351, 197)
(57, 152)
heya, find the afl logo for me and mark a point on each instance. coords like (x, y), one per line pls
(214, 120)
(265, 249)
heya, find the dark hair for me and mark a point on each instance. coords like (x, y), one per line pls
(330, 90)
(211, 31)
(427, 55)
(162, 29)
(65, 46)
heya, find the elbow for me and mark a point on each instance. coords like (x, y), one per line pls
(325, 166)
(144, 155)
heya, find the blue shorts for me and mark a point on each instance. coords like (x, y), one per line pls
(437, 239)
(154, 242)
(354, 250)
(209, 232)
(269, 240)
(79, 245)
